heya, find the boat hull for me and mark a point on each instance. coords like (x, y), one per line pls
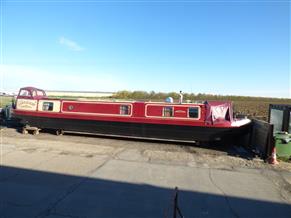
(136, 130)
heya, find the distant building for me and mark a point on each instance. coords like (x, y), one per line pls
(87, 94)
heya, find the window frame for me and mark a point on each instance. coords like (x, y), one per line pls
(27, 95)
(162, 105)
(198, 113)
(50, 106)
(40, 93)
(171, 112)
(121, 107)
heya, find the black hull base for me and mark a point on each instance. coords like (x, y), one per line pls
(139, 130)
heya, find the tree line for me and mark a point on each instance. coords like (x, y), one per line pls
(143, 95)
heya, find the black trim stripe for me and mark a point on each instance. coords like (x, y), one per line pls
(161, 131)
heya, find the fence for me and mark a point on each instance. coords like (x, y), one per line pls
(262, 139)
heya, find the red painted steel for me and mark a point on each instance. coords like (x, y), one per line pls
(181, 112)
(93, 107)
(154, 110)
(139, 112)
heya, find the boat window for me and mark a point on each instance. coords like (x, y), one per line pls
(124, 109)
(24, 92)
(40, 93)
(193, 112)
(168, 112)
(47, 106)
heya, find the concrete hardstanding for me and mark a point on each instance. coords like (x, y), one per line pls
(77, 176)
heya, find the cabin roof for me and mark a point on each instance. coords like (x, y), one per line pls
(31, 88)
(132, 101)
(65, 91)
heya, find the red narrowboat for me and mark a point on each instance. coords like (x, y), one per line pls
(207, 121)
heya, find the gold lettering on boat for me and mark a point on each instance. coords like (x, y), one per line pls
(23, 104)
(180, 111)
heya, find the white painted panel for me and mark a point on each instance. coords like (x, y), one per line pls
(56, 105)
(26, 104)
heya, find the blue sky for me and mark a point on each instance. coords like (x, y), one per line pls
(223, 47)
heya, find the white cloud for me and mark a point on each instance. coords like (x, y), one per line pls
(17, 76)
(70, 44)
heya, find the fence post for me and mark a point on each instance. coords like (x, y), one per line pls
(176, 206)
(270, 141)
(175, 203)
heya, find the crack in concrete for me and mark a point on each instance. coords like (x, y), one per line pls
(224, 194)
(52, 206)
(65, 215)
(284, 188)
(15, 204)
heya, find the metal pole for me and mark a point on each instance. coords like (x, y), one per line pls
(175, 203)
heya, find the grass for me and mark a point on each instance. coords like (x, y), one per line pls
(5, 100)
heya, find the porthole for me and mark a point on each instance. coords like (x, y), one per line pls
(71, 107)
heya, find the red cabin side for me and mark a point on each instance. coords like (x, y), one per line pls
(34, 102)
